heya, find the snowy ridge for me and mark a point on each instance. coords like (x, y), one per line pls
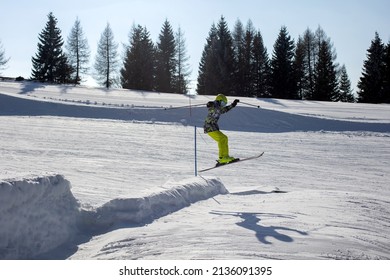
(36, 215)
(40, 214)
(146, 209)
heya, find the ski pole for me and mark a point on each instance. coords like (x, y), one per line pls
(249, 104)
(182, 107)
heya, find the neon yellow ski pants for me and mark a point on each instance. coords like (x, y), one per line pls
(222, 141)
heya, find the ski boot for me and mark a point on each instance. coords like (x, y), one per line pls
(226, 160)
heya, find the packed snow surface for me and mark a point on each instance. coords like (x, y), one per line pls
(109, 174)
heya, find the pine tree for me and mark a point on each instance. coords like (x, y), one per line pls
(345, 91)
(260, 67)
(300, 67)
(371, 83)
(182, 67)
(3, 60)
(306, 57)
(207, 65)
(306, 60)
(248, 58)
(225, 59)
(247, 70)
(321, 37)
(106, 61)
(282, 80)
(386, 75)
(78, 51)
(308, 65)
(216, 69)
(50, 63)
(238, 38)
(310, 60)
(165, 59)
(242, 65)
(326, 87)
(138, 68)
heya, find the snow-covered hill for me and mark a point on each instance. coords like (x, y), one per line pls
(34, 99)
(95, 174)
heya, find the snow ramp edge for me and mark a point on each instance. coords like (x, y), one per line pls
(39, 213)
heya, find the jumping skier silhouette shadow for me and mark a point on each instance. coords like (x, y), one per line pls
(251, 221)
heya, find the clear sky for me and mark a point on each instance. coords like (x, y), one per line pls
(350, 24)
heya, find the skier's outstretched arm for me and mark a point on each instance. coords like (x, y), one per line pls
(229, 107)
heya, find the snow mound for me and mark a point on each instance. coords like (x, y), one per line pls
(36, 215)
(39, 214)
(146, 209)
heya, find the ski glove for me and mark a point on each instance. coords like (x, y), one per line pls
(210, 104)
(234, 104)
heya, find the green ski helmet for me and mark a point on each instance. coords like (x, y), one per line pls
(222, 99)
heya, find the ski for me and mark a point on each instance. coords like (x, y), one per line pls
(239, 160)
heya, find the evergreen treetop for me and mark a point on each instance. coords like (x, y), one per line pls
(139, 64)
(50, 63)
(345, 91)
(106, 61)
(183, 70)
(166, 59)
(216, 69)
(282, 80)
(78, 52)
(386, 75)
(371, 83)
(326, 87)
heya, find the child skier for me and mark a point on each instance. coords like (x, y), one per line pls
(215, 109)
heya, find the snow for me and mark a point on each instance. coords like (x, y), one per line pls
(87, 173)
(40, 213)
(36, 215)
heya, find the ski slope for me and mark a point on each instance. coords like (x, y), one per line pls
(109, 174)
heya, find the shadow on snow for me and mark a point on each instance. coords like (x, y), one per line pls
(251, 221)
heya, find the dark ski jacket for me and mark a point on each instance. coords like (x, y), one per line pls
(215, 111)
